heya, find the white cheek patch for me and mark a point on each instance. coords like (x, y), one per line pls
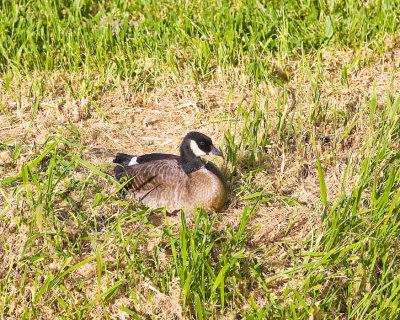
(196, 150)
(133, 161)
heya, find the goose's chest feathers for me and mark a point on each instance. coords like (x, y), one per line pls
(207, 190)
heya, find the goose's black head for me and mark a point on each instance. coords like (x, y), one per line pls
(195, 145)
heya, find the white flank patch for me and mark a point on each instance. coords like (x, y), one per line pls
(133, 161)
(196, 150)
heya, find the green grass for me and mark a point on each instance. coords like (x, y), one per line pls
(189, 38)
(74, 247)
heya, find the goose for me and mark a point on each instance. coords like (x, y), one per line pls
(176, 182)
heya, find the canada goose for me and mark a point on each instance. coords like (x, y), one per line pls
(175, 182)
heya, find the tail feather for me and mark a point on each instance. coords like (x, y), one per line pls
(122, 160)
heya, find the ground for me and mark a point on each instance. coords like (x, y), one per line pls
(310, 158)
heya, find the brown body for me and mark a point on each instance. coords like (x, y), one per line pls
(163, 183)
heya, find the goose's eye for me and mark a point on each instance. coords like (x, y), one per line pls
(202, 143)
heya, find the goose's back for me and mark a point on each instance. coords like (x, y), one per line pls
(158, 183)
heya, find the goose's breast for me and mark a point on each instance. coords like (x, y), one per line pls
(207, 190)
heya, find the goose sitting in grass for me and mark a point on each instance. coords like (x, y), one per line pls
(176, 182)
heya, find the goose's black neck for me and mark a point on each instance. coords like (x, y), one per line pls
(190, 162)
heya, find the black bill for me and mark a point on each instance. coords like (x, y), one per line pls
(215, 151)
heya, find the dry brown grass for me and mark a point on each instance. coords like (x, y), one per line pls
(156, 121)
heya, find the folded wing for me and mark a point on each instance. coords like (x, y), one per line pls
(156, 183)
